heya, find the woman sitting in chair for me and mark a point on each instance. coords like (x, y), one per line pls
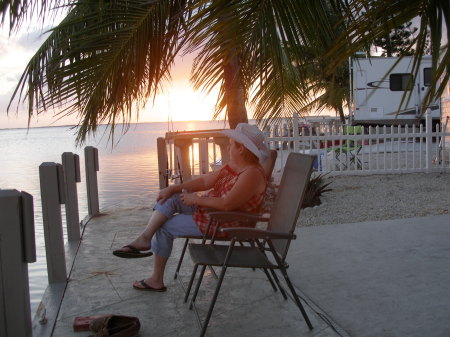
(238, 186)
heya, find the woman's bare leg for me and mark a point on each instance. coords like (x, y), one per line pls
(156, 280)
(142, 242)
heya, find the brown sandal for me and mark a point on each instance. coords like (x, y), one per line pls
(115, 326)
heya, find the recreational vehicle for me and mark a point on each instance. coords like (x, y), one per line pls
(384, 93)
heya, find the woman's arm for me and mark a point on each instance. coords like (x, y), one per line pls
(202, 183)
(250, 182)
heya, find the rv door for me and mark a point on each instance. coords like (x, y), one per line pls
(360, 88)
(424, 82)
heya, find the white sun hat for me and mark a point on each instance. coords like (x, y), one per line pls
(251, 137)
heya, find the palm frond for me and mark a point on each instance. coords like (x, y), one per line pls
(366, 22)
(15, 12)
(104, 60)
(267, 38)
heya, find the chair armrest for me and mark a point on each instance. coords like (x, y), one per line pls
(245, 233)
(222, 216)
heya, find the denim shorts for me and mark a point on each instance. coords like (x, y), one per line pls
(179, 223)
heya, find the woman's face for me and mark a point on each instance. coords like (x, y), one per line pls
(235, 149)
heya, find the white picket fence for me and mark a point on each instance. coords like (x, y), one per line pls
(377, 150)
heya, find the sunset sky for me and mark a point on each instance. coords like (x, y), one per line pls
(179, 102)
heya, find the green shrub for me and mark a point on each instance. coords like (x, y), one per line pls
(314, 191)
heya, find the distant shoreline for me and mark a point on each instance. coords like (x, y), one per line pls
(106, 125)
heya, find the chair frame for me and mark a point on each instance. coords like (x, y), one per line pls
(268, 167)
(212, 254)
(350, 148)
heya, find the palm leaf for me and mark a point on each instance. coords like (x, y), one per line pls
(366, 23)
(104, 60)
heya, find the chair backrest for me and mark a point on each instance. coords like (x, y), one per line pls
(269, 164)
(289, 199)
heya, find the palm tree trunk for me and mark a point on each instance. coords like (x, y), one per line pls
(234, 94)
(341, 114)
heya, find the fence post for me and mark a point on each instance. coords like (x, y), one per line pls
(429, 138)
(51, 176)
(296, 135)
(92, 166)
(17, 248)
(71, 164)
(163, 163)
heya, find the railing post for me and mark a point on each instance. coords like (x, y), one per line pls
(296, 135)
(51, 176)
(267, 136)
(183, 162)
(223, 143)
(92, 166)
(71, 165)
(163, 163)
(17, 248)
(429, 138)
(203, 155)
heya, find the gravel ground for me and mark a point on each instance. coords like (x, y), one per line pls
(380, 197)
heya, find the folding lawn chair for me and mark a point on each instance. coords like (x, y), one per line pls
(347, 153)
(268, 166)
(276, 239)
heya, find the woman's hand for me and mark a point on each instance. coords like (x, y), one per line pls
(189, 199)
(164, 194)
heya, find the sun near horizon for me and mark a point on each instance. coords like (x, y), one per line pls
(178, 101)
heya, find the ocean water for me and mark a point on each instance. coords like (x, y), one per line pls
(127, 170)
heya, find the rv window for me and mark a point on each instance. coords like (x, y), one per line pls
(400, 82)
(427, 77)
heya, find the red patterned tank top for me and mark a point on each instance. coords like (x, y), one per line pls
(225, 182)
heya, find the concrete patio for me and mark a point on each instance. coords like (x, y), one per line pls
(389, 278)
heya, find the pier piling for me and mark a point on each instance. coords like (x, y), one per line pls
(52, 196)
(17, 248)
(71, 165)
(92, 166)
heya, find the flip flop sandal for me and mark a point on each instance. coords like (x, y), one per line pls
(146, 287)
(133, 253)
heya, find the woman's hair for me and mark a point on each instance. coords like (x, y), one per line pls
(248, 155)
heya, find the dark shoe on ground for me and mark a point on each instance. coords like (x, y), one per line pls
(132, 253)
(115, 326)
(146, 287)
(82, 323)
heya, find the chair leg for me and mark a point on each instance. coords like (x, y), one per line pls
(188, 290)
(261, 248)
(282, 267)
(197, 287)
(283, 293)
(274, 287)
(180, 261)
(297, 300)
(219, 284)
(213, 301)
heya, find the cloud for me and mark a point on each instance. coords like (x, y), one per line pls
(32, 40)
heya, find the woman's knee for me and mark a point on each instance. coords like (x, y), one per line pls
(168, 207)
